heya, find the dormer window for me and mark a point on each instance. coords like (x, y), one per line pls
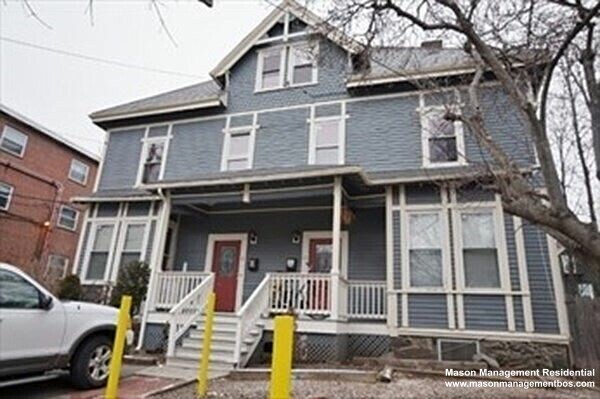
(286, 66)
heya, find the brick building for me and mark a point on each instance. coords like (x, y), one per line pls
(39, 172)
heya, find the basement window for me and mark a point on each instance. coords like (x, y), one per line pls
(457, 350)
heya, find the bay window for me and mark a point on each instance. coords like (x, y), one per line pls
(132, 245)
(479, 250)
(98, 256)
(425, 250)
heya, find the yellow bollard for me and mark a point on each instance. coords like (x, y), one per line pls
(114, 374)
(205, 357)
(281, 366)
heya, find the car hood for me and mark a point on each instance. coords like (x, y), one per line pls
(92, 308)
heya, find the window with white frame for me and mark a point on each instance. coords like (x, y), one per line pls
(479, 250)
(442, 138)
(56, 267)
(270, 68)
(302, 66)
(67, 218)
(6, 192)
(78, 171)
(13, 141)
(99, 252)
(133, 243)
(286, 66)
(154, 154)
(425, 250)
(238, 149)
(327, 141)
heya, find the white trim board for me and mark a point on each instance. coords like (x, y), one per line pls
(210, 246)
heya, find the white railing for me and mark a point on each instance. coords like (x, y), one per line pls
(187, 311)
(303, 294)
(367, 300)
(172, 287)
(248, 315)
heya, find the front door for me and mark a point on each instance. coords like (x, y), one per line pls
(319, 261)
(225, 265)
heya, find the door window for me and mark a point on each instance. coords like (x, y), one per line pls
(17, 293)
(321, 259)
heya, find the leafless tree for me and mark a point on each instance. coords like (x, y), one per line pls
(522, 43)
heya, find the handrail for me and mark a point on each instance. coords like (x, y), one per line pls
(172, 287)
(182, 315)
(367, 299)
(249, 314)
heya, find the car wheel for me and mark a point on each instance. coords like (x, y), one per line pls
(90, 364)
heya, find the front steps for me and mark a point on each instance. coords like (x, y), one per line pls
(222, 356)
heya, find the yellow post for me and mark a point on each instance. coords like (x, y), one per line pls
(281, 366)
(112, 387)
(204, 358)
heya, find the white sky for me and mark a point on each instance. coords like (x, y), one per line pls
(59, 91)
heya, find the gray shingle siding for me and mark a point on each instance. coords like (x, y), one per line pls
(367, 245)
(122, 159)
(518, 310)
(427, 311)
(511, 248)
(282, 139)
(485, 312)
(397, 250)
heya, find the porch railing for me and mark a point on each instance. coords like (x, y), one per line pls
(187, 311)
(172, 287)
(305, 294)
(367, 300)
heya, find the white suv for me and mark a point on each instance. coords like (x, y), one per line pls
(39, 333)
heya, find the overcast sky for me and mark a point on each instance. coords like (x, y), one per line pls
(59, 91)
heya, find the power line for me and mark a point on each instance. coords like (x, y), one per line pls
(96, 59)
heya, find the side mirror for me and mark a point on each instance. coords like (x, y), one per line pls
(46, 302)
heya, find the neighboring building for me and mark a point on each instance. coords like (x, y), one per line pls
(40, 171)
(319, 181)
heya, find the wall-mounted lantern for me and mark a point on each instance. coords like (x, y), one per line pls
(253, 237)
(291, 264)
(296, 237)
(253, 264)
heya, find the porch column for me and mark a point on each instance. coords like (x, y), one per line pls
(160, 236)
(336, 248)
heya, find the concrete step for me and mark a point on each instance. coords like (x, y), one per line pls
(218, 339)
(214, 347)
(213, 366)
(215, 355)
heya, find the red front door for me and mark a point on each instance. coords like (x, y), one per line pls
(319, 261)
(225, 265)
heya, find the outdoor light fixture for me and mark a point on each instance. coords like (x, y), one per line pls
(253, 237)
(296, 237)
(291, 264)
(253, 264)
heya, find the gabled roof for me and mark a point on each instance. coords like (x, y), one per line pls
(300, 12)
(205, 94)
(53, 135)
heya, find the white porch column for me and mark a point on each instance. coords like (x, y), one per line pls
(160, 236)
(336, 248)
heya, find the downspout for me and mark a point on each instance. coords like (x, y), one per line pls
(153, 264)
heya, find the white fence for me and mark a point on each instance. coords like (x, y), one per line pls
(367, 300)
(308, 294)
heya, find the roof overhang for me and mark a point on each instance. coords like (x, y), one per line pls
(362, 80)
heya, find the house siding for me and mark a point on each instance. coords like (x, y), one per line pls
(122, 159)
(485, 312)
(427, 311)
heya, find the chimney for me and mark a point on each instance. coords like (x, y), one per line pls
(432, 44)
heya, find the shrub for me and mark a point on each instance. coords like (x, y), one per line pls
(70, 288)
(132, 280)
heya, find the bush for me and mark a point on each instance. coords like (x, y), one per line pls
(132, 280)
(70, 288)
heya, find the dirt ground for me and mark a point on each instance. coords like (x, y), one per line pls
(402, 387)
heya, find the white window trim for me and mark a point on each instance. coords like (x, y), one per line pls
(324, 234)
(66, 267)
(444, 246)
(210, 246)
(312, 139)
(89, 249)
(146, 141)
(260, 65)
(62, 226)
(423, 110)
(87, 171)
(290, 65)
(121, 245)
(11, 190)
(228, 132)
(22, 153)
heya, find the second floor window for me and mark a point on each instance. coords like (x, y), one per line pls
(326, 142)
(238, 149)
(13, 141)
(6, 192)
(443, 141)
(78, 171)
(67, 218)
(153, 160)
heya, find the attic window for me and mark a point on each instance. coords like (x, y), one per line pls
(286, 66)
(270, 69)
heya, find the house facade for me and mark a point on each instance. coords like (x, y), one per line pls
(39, 172)
(303, 178)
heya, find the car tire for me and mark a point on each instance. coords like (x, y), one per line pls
(89, 365)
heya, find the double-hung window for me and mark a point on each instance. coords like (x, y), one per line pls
(302, 68)
(98, 257)
(56, 267)
(6, 192)
(479, 250)
(133, 243)
(271, 66)
(327, 141)
(67, 218)
(425, 258)
(442, 138)
(78, 171)
(13, 141)
(238, 147)
(153, 159)
(286, 66)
